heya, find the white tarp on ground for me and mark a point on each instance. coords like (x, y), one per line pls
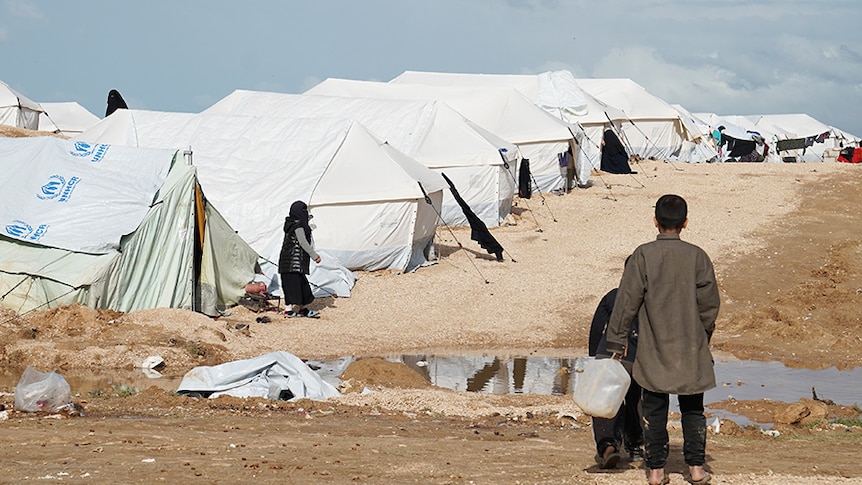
(66, 118)
(503, 111)
(429, 131)
(277, 375)
(369, 209)
(18, 110)
(158, 244)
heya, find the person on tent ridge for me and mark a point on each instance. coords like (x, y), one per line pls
(670, 286)
(115, 102)
(615, 159)
(294, 262)
(624, 428)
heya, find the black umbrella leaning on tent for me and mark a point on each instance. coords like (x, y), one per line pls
(478, 230)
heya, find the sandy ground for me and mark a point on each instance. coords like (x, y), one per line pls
(785, 243)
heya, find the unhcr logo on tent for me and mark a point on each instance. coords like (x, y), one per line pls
(84, 150)
(22, 230)
(58, 188)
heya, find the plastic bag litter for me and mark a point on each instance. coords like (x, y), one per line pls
(41, 392)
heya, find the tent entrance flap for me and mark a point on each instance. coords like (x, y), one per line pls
(200, 234)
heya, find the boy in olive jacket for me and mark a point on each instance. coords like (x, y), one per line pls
(670, 286)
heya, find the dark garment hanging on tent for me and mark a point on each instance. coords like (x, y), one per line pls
(739, 148)
(115, 102)
(525, 187)
(478, 230)
(615, 159)
(794, 144)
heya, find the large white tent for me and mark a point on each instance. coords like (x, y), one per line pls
(66, 118)
(365, 196)
(654, 129)
(157, 243)
(802, 127)
(704, 147)
(431, 132)
(554, 91)
(648, 126)
(504, 111)
(17, 110)
(790, 137)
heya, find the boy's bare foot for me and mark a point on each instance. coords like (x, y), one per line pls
(658, 477)
(699, 476)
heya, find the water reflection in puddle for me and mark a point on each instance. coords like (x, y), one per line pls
(737, 379)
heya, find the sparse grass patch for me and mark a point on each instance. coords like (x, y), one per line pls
(849, 422)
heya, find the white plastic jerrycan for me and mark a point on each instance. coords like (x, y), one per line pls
(600, 386)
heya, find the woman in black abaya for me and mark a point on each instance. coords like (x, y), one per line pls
(614, 156)
(115, 102)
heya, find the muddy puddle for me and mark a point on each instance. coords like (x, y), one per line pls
(741, 380)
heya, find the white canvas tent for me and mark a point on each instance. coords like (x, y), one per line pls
(67, 118)
(17, 110)
(777, 130)
(799, 127)
(659, 132)
(552, 90)
(846, 139)
(655, 129)
(429, 131)
(365, 196)
(504, 111)
(704, 148)
(112, 227)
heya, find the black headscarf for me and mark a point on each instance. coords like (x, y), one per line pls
(115, 102)
(298, 216)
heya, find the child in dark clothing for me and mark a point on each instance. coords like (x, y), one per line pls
(625, 427)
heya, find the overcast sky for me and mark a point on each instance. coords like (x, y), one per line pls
(720, 56)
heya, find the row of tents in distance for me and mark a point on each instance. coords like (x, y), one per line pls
(196, 201)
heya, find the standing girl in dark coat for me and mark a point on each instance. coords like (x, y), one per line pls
(295, 260)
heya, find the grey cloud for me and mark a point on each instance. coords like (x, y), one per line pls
(22, 9)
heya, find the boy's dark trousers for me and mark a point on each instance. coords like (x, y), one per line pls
(624, 428)
(654, 407)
